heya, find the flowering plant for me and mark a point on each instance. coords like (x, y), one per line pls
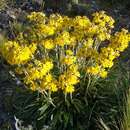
(58, 55)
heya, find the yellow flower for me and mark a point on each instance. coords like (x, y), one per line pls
(69, 52)
(102, 36)
(73, 69)
(53, 87)
(45, 30)
(72, 79)
(106, 63)
(68, 60)
(101, 19)
(103, 74)
(37, 70)
(81, 21)
(69, 78)
(93, 70)
(119, 42)
(38, 17)
(48, 44)
(63, 39)
(49, 83)
(69, 89)
(88, 43)
(16, 54)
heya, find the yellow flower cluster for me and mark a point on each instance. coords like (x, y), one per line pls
(69, 58)
(101, 19)
(48, 44)
(38, 18)
(17, 54)
(49, 83)
(105, 60)
(69, 78)
(58, 52)
(38, 69)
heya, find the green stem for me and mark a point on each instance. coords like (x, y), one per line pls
(89, 83)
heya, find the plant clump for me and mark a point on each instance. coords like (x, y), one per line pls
(57, 53)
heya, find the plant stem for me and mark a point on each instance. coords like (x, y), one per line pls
(89, 83)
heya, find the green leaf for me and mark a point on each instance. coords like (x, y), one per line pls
(66, 119)
(43, 109)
